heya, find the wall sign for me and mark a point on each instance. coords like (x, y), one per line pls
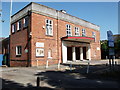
(38, 44)
(39, 52)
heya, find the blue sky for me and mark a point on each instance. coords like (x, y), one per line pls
(104, 14)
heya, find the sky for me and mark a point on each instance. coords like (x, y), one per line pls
(104, 14)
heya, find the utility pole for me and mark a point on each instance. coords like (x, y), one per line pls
(10, 15)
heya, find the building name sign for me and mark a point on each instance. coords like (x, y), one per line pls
(38, 44)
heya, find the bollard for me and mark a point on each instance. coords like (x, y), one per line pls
(106, 57)
(47, 64)
(70, 66)
(88, 67)
(37, 63)
(59, 64)
(38, 81)
(113, 57)
(106, 64)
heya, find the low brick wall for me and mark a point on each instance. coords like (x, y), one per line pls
(18, 63)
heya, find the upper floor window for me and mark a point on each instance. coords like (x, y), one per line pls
(13, 28)
(68, 30)
(19, 25)
(18, 50)
(94, 35)
(77, 31)
(25, 22)
(49, 27)
(83, 32)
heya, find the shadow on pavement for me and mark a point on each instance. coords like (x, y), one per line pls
(98, 77)
(11, 85)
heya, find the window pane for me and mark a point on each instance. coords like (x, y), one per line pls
(18, 50)
(13, 28)
(25, 21)
(49, 30)
(47, 21)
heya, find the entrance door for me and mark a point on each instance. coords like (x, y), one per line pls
(77, 51)
(84, 52)
(69, 53)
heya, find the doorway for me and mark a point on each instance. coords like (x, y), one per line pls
(69, 53)
(77, 51)
(84, 52)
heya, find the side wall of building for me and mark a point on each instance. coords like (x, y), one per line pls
(19, 38)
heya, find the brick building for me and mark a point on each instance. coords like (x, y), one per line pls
(40, 33)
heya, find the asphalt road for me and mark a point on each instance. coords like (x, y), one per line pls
(22, 77)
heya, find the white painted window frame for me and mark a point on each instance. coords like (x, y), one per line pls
(68, 30)
(18, 25)
(94, 35)
(25, 20)
(17, 50)
(83, 32)
(13, 28)
(77, 33)
(49, 27)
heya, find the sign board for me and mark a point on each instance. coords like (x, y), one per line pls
(38, 44)
(39, 52)
(110, 39)
(111, 43)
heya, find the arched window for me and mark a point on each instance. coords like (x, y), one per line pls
(49, 53)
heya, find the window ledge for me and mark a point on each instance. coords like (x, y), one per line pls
(25, 27)
(39, 56)
(50, 35)
(49, 57)
(18, 55)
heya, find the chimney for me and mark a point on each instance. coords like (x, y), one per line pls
(64, 11)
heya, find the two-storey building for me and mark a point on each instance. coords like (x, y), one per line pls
(40, 33)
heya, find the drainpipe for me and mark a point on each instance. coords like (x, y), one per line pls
(57, 38)
(29, 38)
(10, 30)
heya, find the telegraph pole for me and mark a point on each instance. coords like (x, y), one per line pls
(10, 15)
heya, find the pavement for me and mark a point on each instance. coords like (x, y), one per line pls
(64, 77)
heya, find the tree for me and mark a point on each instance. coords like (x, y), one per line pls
(104, 49)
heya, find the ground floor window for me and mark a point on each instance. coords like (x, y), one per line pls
(18, 50)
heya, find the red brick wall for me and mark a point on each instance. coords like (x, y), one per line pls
(62, 33)
(50, 42)
(19, 38)
(39, 35)
(18, 63)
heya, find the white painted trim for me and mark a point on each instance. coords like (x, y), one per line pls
(73, 54)
(89, 53)
(81, 53)
(64, 52)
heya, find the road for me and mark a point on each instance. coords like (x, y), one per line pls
(23, 77)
